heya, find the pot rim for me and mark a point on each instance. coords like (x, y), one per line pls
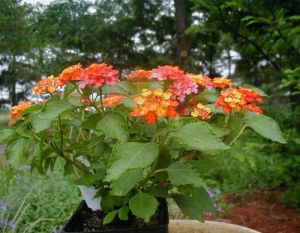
(221, 226)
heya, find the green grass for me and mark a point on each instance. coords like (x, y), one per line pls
(4, 118)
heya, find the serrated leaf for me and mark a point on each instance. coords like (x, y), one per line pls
(200, 136)
(110, 217)
(123, 213)
(181, 173)
(114, 126)
(125, 183)
(264, 125)
(52, 110)
(196, 204)
(143, 205)
(129, 156)
(6, 135)
(15, 151)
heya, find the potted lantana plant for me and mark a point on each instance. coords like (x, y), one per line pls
(133, 142)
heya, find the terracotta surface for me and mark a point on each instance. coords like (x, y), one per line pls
(193, 226)
(264, 212)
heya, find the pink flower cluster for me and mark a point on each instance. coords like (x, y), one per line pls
(181, 84)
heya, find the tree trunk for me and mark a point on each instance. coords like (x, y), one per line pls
(13, 96)
(181, 20)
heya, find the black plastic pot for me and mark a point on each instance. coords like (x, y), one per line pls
(75, 224)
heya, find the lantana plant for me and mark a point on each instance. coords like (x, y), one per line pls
(134, 139)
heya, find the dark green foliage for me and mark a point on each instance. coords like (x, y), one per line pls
(291, 197)
(50, 202)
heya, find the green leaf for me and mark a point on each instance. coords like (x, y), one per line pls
(52, 110)
(75, 100)
(181, 173)
(69, 89)
(15, 151)
(123, 213)
(34, 109)
(128, 102)
(200, 136)
(220, 129)
(264, 125)
(110, 217)
(125, 183)
(131, 155)
(143, 205)
(196, 204)
(123, 88)
(91, 121)
(40, 123)
(114, 126)
(6, 135)
(208, 95)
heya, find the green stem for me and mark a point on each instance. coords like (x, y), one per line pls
(238, 135)
(61, 134)
(101, 98)
(61, 154)
(71, 132)
(80, 129)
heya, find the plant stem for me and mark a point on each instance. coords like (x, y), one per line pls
(61, 154)
(238, 135)
(100, 95)
(61, 134)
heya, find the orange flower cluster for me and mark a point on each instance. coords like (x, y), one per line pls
(221, 82)
(202, 81)
(48, 85)
(94, 75)
(238, 99)
(252, 98)
(139, 75)
(112, 99)
(71, 74)
(16, 111)
(201, 112)
(153, 104)
(98, 74)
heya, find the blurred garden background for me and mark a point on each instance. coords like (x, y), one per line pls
(257, 42)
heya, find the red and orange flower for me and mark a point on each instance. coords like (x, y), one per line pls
(99, 74)
(48, 85)
(238, 99)
(221, 82)
(201, 112)
(202, 81)
(112, 99)
(17, 111)
(71, 74)
(152, 104)
(139, 75)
